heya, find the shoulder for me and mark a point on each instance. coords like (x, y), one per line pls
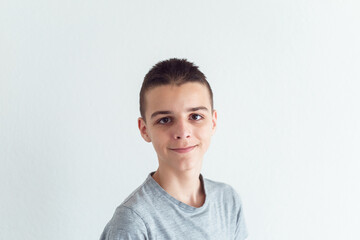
(127, 221)
(224, 197)
(141, 200)
(227, 200)
(125, 224)
(222, 191)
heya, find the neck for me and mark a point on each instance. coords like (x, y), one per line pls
(184, 186)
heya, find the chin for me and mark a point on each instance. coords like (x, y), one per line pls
(188, 164)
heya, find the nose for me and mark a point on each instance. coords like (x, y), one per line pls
(181, 130)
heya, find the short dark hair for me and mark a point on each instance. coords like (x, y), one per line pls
(172, 71)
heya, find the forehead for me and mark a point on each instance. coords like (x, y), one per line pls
(173, 97)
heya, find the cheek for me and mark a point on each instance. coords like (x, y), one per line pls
(158, 147)
(158, 139)
(205, 132)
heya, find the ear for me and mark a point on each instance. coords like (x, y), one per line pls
(143, 129)
(214, 121)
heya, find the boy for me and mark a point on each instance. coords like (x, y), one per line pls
(176, 202)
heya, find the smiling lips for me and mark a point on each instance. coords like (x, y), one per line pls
(183, 150)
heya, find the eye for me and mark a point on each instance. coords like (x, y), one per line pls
(164, 120)
(196, 117)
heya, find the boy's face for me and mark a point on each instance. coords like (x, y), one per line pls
(179, 123)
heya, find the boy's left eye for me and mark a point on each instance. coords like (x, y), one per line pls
(195, 117)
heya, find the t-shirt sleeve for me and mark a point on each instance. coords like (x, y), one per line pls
(241, 230)
(125, 225)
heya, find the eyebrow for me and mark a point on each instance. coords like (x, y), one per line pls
(170, 112)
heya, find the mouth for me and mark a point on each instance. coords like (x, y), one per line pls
(183, 150)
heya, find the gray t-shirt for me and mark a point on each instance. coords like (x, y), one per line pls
(151, 213)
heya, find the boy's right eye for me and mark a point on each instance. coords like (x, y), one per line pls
(164, 120)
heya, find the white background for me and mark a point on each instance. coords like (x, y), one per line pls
(285, 76)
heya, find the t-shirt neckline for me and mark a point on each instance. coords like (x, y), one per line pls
(180, 204)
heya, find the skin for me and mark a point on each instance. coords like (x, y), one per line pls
(179, 123)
